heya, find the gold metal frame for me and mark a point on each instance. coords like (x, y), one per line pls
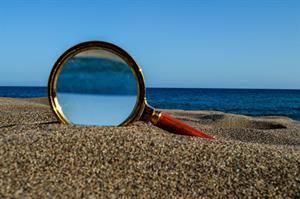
(141, 110)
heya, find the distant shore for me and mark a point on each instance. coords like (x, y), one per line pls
(251, 156)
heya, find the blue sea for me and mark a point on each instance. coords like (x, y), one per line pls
(253, 102)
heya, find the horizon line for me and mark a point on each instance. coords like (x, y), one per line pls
(187, 88)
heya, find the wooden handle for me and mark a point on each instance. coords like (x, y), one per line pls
(173, 125)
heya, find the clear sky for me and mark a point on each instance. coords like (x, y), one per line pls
(182, 43)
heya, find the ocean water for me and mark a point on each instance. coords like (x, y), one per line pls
(23, 92)
(253, 102)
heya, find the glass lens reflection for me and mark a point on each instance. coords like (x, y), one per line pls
(96, 87)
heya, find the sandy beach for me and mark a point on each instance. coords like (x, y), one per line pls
(251, 157)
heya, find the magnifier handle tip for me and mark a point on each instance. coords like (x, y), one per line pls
(176, 126)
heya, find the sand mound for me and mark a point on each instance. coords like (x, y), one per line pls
(251, 157)
(267, 130)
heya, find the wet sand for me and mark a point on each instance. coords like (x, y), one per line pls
(251, 157)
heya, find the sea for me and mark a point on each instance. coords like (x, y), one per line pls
(252, 102)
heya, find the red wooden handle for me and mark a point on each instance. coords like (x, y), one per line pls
(174, 125)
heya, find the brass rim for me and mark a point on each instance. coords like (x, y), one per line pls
(93, 45)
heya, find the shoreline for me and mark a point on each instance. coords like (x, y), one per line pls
(44, 100)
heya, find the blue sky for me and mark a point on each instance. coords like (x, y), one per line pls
(204, 43)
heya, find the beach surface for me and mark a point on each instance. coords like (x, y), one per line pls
(251, 157)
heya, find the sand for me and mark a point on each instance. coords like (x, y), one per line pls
(251, 157)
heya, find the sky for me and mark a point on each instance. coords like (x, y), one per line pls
(183, 43)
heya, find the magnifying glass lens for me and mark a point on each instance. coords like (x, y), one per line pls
(98, 83)
(96, 87)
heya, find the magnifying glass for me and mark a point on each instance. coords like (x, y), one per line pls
(98, 83)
